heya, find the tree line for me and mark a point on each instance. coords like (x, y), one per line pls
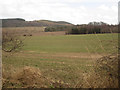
(92, 27)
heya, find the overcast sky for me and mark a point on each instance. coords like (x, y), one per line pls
(74, 11)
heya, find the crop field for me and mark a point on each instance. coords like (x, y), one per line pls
(34, 31)
(24, 30)
(99, 43)
(62, 60)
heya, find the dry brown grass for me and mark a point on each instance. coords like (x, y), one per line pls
(29, 77)
(25, 77)
(56, 55)
(104, 74)
(49, 33)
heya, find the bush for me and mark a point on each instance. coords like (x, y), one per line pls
(107, 70)
(10, 41)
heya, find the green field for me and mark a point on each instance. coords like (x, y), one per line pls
(61, 58)
(99, 43)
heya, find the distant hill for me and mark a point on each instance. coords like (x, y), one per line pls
(54, 22)
(18, 22)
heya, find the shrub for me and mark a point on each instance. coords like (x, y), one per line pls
(10, 41)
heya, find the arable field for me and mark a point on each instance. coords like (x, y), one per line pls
(34, 31)
(94, 43)
(62, 60)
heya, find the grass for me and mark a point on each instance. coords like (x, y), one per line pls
(63, 57)
(72, 43)
(64, 69)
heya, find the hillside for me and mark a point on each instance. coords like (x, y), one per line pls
(18, 22)
(54, 22)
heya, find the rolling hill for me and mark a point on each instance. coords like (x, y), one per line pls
(18, 22)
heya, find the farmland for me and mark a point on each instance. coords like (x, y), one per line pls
(63, 59)
(73, 43)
